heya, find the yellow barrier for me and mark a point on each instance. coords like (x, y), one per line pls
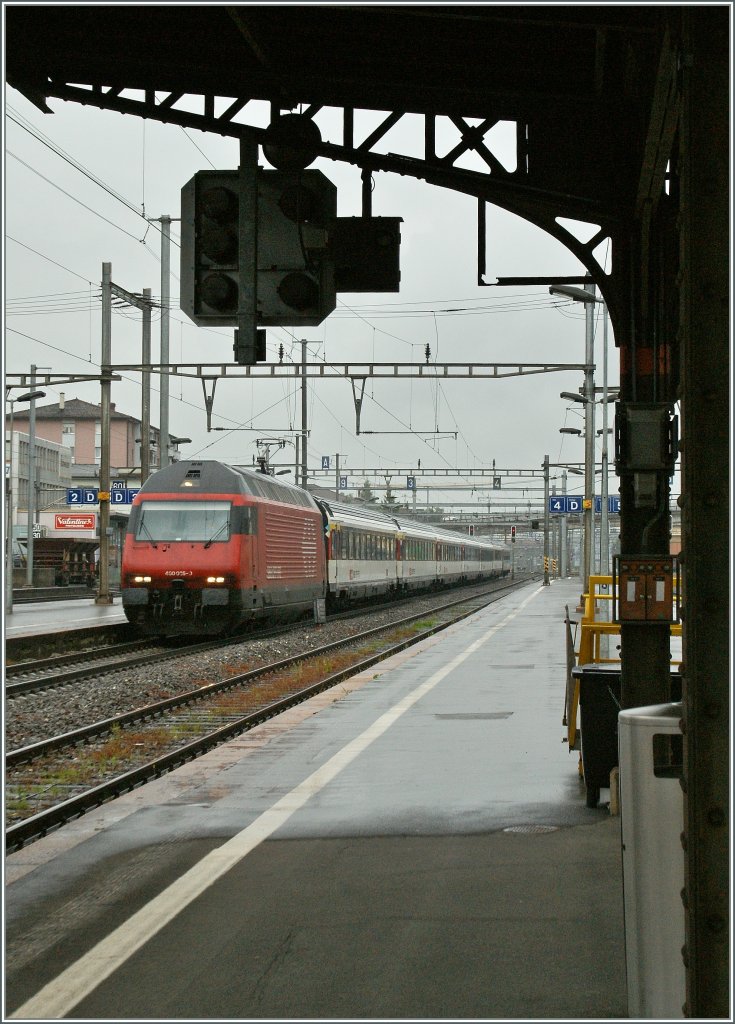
(589, 651)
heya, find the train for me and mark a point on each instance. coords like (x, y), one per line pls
(211, 547)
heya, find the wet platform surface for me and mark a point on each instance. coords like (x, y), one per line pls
(38, 618)
(414, 844)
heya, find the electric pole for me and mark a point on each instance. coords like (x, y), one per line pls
(103, 596)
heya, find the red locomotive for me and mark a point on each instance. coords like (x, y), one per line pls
(210, 547)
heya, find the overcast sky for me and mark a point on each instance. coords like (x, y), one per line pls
(60, 226)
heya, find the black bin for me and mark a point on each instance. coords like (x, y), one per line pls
(599, 703)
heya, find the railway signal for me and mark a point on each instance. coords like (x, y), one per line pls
(295, 271)
(265, 248)
(210, 257)
(285, 244)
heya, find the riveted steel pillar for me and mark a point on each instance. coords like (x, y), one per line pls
(705, 334)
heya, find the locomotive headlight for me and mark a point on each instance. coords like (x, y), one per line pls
(141, 579)
(215, 579)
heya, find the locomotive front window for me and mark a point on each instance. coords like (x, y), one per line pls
(199, 521)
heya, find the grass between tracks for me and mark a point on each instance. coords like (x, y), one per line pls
(32, 787)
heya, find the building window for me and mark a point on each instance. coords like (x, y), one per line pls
(68, 436)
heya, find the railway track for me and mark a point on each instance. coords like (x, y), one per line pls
(54, 780)
(35, 676)
(49, 673)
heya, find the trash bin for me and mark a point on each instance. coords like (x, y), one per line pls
(652, 820)
(599, 704)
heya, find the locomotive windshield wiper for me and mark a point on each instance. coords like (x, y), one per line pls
(216, 534)
(150, 535)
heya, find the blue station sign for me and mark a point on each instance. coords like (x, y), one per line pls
(565, 504)
(90, 495)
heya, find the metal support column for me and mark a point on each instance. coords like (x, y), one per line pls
(546, 520)
(165, 306)
(304, 420)
(103, 595)
(588, 512)
(9, 496)
(564, 560)
(31, 480)
(604, 521)
(145, 377)
(706, 508)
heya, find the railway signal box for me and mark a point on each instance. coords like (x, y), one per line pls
(645, 588)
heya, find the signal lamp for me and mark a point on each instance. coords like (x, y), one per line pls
(219, 292)
(299, 291)
(219, 244)
(218, 203)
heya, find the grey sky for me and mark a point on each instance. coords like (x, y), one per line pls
(515, 421)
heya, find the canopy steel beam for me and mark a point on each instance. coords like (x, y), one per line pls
(354, 371)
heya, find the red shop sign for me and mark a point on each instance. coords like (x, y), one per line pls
(75, 521)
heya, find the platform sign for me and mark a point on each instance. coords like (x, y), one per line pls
(411, 483)
(82, 495)
(558, 503)
(343, 481)
(613, 504)
(561, 503)
(123, 497)
(325, 462)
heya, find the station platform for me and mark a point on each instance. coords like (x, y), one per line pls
(37, 618)
(413, 844)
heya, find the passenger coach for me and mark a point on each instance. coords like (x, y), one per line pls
(370, 553)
